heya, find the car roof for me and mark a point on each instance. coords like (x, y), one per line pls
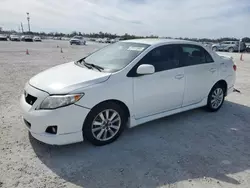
(155, 41)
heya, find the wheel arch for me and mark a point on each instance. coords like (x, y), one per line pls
(222, 83)
(120, 103)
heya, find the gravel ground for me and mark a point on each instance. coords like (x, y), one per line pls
(190, 149)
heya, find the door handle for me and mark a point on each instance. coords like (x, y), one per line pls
(212, 70)
(179, 76)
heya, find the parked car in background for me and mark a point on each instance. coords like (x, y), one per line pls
(79, 40)
(229, 46)
(248, 48)
(98, 40)
(108, 40)
(124, 84)
(207, 44)
(37, 39)
(15, 38)
(27, 38)
(114, 40)
(65, 38)
(103, 40)
(57, 38)
(3, 37)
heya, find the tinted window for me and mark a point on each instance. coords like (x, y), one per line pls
(192, 55)
(163, 58)
(209, 59)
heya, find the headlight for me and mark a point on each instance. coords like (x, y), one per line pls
(56, 101)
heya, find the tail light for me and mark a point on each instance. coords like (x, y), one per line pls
(234, 67)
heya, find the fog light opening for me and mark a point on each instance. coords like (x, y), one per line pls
(51, 129)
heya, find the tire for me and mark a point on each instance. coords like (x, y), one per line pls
(215, 49)
(95, 132)
(216, 98)
(230, 49)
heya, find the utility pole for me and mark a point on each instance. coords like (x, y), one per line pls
(28, 18)
(22, 26)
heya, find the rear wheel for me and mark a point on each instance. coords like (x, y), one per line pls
(216, 98)
(231, 50)
(104, 124)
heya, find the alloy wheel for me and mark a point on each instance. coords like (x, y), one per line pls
(106, 125)
(217, 98)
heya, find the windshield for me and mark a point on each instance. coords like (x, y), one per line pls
(77, 37)
(116, 56)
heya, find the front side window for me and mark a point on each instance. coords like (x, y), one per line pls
(116, 56)
(163, 58)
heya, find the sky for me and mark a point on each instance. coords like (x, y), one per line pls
(168, 18)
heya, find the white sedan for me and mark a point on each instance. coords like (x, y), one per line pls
(124, 84)
(78, 40)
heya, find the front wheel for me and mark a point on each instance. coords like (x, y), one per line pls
(216, 98)
(215, 48)
(104, 124)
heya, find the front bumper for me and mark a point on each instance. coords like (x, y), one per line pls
(61, 139)
(28, 40)
(76, 42)
(69, 120)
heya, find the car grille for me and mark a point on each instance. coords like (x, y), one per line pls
(29, 98)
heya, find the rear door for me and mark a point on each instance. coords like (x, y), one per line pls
(200, 73)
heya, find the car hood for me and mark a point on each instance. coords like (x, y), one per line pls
(66, 78)
(75, 39)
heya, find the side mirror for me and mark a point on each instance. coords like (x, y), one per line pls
(145, 69)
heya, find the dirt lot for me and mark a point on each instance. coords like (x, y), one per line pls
(191, 149)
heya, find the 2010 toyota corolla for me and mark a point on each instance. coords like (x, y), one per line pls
(124, 84)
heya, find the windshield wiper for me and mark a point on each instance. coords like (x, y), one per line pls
(90, 65)
(94, 66)
(99, 68)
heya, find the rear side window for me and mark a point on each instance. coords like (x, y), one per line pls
(194, 55)
(208, 57)
(163, 58)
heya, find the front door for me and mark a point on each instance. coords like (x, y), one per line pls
(162, 90)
